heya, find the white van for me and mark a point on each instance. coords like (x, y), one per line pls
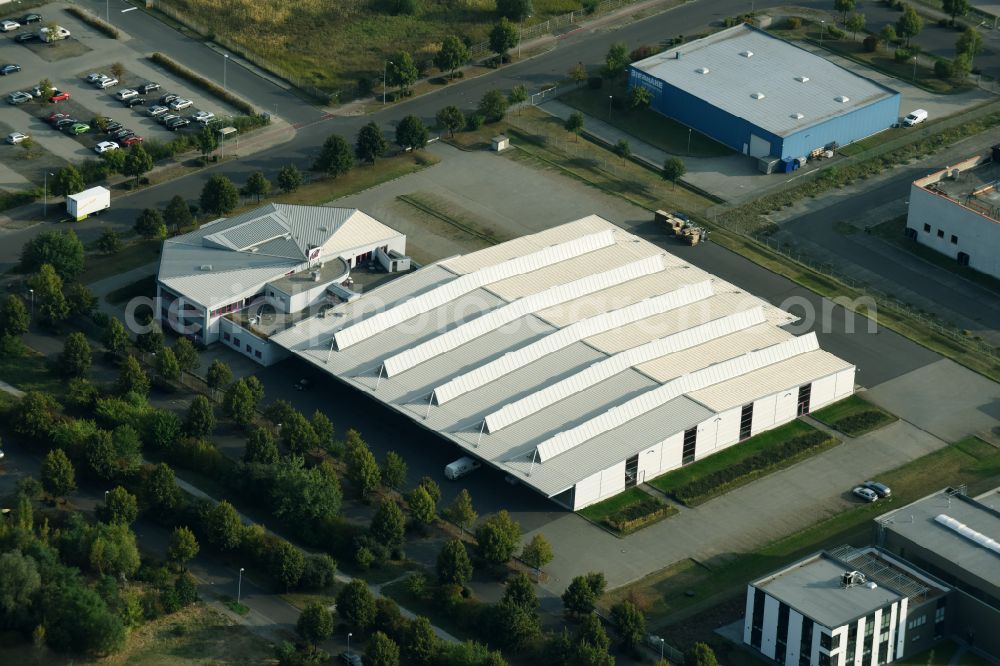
(461, 467)
(917, 116)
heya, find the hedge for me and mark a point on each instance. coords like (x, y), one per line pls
(714, 483)
(862, 422)
(180, 70)
(636, 516)
(94, 22)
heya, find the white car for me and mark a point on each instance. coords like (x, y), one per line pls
(7, 26)
(865, 494)
(105, 146)
(180, 103)
(155, 111)
(107, 82)
(94, 77)
(15, 138)
(203, 117)
(126, 93)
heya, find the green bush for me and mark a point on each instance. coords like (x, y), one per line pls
(834, 32)
(902, 55)
(10, 200)
(943, 69)
(635, 516)
(175, 67)
(94, 22)
(794, 22)
(861, 422)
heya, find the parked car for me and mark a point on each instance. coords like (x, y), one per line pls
(78, 128)
(865, 494)
(203, 117)
(123, 133)
(879, 489)
(105, 146)
(9, 69)
(15, 138)
(177, 123)
(168, 98)
(915, 118)
(26, 37)
(148, 87)
(7, 26)
(157, 110)
(53, 34)
(112, 127)
(134, 101)
(55, 117)
(30, 18)
(126, 93)
(94, 77)
(351, 658)
(59, 96)
(302, 385)
(107, 82)
(180, 104)
(461, 467)
(167, 117)
(18, 97)
(63, 123)
(131, 140)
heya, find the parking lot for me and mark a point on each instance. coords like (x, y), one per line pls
(66, 64)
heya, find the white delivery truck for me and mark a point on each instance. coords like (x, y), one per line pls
(461, 467)
(89, 202)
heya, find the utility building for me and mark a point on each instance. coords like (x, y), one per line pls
(762, 96)
(580, 360)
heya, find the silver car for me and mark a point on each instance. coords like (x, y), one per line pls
(18, 97)
(865, 494)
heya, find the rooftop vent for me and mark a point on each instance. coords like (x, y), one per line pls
(757, 95)
(205, 267)
(852, 578)
(703, 70)
(746, 54)
(802, 79)
(797, 116)
(323, 228)
(843, 99)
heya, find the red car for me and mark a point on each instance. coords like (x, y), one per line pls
(58, 96)
(131, 140)
(55, 117)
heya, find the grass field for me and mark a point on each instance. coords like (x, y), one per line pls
(664, 595)
(30, 372)
(854, 416)
(99, 266)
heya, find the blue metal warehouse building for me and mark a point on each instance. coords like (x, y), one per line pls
(763, 96)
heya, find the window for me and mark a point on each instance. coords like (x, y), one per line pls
(805, 642)
(927, 228)
(825, 641)
(225, 336)
(631, 471)
(257, 353)
(236, 342)
(746, 421)
(954, 239)
(757, 624)
(248, 349)
(690, 439)
(939, 615)
(782, 634)
(805, 393)
(917, 622)
(940, 233)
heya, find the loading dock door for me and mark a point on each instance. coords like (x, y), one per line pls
(759, 147)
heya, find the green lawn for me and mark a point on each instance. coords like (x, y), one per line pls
(99, 266)
(612, 511)
(424, 606)
(30, 372)
(672, 482)
(854, 416)
(644, 124)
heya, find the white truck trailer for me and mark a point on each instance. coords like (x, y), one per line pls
(89, 202)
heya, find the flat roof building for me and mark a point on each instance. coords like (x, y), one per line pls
(580, 360)
(956, 211)
(763, 96)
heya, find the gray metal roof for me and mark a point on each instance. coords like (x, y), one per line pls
(791, 80)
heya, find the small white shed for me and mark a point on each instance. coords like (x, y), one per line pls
(501, 143)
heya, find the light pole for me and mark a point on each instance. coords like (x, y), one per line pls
(385, 71)
(520, 36)
(914, 70)
(239, 587)
(225, 70)
(689, 142)
(661, 649)
(107, 10)
(822, 29)
(32, 303)
(610, 99)
(349, 634)
(45, 194)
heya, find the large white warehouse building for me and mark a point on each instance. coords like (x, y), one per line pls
(580, 360)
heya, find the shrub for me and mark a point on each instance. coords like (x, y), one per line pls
(475, 121)
(641, 53)
(902, 55)
(175, 67)
(94, 22)
(862, 422)
(833, 32)
(943, 69)
(590, 6)
(870, 44)
(794, 22)
(635, 516)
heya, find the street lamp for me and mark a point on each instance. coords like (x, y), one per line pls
(610, 99)
(520, 36)
(32, 303)
(689, 142)
(914, 69)
(225, 68)
(349, 634)
(661, 649)
(239, 587)
(45, 194)
(385, 71)
(822, 29)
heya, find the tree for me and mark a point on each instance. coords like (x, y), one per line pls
(289, 178)
(19, 583)
(423, 508)
(855, 24)
(453, 564)
(58, 475)
(493, 106)
(60, 249)
(970, 43)
(48, 90)
(187, 355)
(411, 133)
(955, 8)
(34, 414)
(79, 300)
(137, 163)
(315, 623)
(207, 140)
(513, 625)
(461, 511)
(114, 160)
(182, 547)
(591, 643)
(498, 538)
(451, 118)
(177, 214)
(518, 94)
(582, 593)
(67, 181)
(49, 299)
(910, 24)
(219, 375)
(120, 506)
(117, 70)
(257, 185)
(110, 241)
(700, 654)
(239, 403)
(515, 10)
(673, 169)
(843, 6)
(432, 488)
(200, 419)
(356, 605)
(75, 358)
(320, 572)
(223, 527)
(335, 158)
(115, 337)
(114, 454)
(150, 225)
(393, 471)
(578, 73)
(167, 366)
(401, 72)
(370, 143)
(255, 387)
(151, 341)
(421, 644)
(260, 448)
(363, 471)
(388, 524)
(219, 196)
(521, 593)
(452, 55)
(630, 622)
(382, 651)
(13, 317)
(961, 66)
(323, 428)
(887, 34)
(503, 37)
(537, 553)
(161, 489)
(623, 150)
(616, 60)
(286, 564)
(297, 434)
(574, 123)
(639, 98)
